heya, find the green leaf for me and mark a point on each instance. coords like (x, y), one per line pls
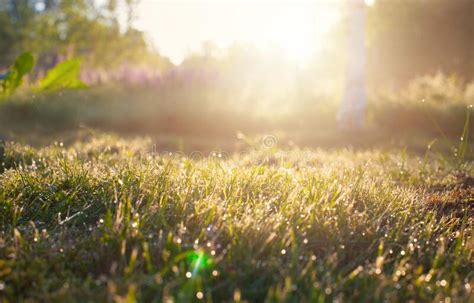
(23, 65)
(65, 75)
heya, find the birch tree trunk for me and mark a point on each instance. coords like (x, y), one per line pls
(352, 110)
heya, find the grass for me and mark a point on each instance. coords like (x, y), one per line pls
(204, 116)
(108, 219)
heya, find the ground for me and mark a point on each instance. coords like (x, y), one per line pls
(109, 219)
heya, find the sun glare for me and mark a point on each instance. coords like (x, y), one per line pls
(369, 2)
(292, 30)
(296, 28)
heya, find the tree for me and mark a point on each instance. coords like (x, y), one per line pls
(352, 111)
(408, 39)
(88, 29)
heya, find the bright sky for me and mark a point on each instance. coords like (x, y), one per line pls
(180, 27)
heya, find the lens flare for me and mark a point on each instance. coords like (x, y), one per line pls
(199, 261)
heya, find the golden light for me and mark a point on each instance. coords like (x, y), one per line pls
(369, 2)
(296, 28)
(293, 31)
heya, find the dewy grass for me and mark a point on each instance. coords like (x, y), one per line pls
(106, 220)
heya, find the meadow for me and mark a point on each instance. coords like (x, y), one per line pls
(309, 152)
(185, 111)
(115, 220)
(181, 192)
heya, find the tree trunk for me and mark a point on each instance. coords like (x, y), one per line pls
(352, 111)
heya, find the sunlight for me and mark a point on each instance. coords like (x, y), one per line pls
(369, 2)
(296, 28)
(292, 30)
(236, 151)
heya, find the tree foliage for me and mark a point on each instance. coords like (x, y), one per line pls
(412, 38)
(85, 29)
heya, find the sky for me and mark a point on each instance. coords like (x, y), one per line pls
(177, 28)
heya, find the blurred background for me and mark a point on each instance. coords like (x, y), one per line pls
(210, 74)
